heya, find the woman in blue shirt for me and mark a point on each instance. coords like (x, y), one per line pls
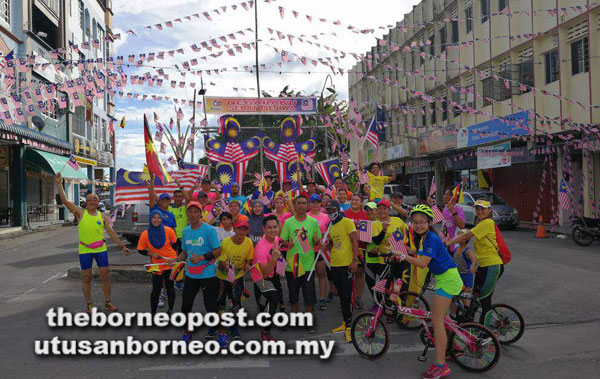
(433, 254)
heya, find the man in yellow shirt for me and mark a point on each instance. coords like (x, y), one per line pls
(237, 253)
(344, 261)
(376, 181)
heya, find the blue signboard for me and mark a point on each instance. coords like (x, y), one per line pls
(498, 129)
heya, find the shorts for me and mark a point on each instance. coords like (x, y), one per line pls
(308, 288)
(86, 260)
(467, 279)
(449, 283)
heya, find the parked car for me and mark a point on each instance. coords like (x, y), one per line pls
(132, 222)
(504, 215)
(389, 189)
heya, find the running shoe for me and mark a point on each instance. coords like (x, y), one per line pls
(179, 285)
(235, 333)
(339, 329)
(187, 337)
(330, 297)
(108, 305)
(436, 372)
(266, 336)
(88, 308)
(323, 304)
(161, 303)
(348, 335)
(211, 334)
(359, 304)
(223, 340)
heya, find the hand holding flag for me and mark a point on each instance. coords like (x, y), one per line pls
(397, 242)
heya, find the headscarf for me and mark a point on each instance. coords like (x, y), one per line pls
(256, 222)
(156, 234)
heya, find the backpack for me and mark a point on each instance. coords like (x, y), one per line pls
(503, 250)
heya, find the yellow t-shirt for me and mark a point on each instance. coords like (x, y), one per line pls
(486, 248)
(376, 183)
(341, 251)
(376, 228)
(237, 254)
(395, 223)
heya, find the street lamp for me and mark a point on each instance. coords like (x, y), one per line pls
(201, 92)
(332, 91)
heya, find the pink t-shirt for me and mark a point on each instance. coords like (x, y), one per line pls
(322, 219)
(284, 217)
(212, 196)
(262, 254)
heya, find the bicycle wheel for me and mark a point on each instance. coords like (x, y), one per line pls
(415, 301)
(505, 322)
(475, 348)
(376, 344)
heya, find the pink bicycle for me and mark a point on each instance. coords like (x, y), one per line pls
(472, 346)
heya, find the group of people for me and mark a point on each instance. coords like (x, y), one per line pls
(314, 229)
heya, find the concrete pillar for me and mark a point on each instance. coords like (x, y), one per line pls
(90, 175)
(559, 174)
(439, 181)
(19, 186)
(112, 178)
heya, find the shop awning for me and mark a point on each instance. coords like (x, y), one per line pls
(31, 135)
(54, 163)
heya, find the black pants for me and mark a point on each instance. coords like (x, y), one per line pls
(210, 291)
(485, 283)
(375, 269)
(270, 298)
(308, 288)
(157, 285)
(230, 290)
(342, 278)
(276, 280)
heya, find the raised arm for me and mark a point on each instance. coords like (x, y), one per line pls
(114, 235)
(393, 176)
(186, 195)
(77, 211)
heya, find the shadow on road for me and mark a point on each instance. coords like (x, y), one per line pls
(45, 261)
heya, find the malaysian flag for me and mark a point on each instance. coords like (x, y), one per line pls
(363, 227)
(280, 267)
(230, 272)
(73, 163)
(433, 188)
(397, 242)
(563, 194)
(437, 214)
(380, 286)
(303, 241)
(5, 59)
(329, 170)
(132, 186)
(372, 135)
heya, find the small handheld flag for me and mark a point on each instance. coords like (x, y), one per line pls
(303, 241)
(438, 216)
(372, 135)
(122, 123)
(397, 242)
(363, 227)
(297, 268)
(73, 163)
(457, 194)
(433, 188)
(280, 267)
(230, 272)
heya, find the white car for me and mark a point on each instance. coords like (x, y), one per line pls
(504, 215)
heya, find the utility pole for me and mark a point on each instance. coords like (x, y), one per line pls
(260, 122)
(194, 125)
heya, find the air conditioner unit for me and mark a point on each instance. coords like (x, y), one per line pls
(71, 108)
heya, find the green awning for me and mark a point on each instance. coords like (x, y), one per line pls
(54, 163)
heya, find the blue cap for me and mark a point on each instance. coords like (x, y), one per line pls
(164, 196)
(314, 197)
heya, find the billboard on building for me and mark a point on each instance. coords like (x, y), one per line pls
(494, 156)
(498, 129)
(261, 105)
(438, 140)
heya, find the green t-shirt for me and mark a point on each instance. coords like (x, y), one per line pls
(288, 233)
(180, 219)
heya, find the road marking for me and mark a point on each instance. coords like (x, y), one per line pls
(234, 363)
(55, 276)
(14, 299)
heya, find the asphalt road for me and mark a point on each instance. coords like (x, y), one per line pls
(553, 282)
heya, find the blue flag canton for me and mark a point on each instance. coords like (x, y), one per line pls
(398, 235)
(362, 226)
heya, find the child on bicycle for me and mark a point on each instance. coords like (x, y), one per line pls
(432, 253)
(467, 265)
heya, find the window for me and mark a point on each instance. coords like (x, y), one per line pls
(79, 121)
(96, 130)
(454, 28)
(502, 4)
(469, 19)
(433, 114)
(444, 109)
(51, 109)
(580, 56)
(424, 115)
(487, 85)
(552, 66)
(443, 39)
(432, 47)
(457, 97)
(5, 11)
(104, 136)
(81, 15)
(526, 74)
(500, 91)
(485, 10)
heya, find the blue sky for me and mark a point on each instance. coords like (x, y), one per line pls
(135, 14)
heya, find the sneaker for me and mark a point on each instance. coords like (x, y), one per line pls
(323, 304)
(223, 340)
(211, 334)
(436, 372)
(179, 285)
(266, 336)
(163, 294)
(187, 337)
(339, 329)
(235, 333)
(88, 308)
(108, 305)
(161, 303)
(348, 333)
(359, 304)
(330, 297)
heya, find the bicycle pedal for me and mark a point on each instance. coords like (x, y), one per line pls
(422, 358)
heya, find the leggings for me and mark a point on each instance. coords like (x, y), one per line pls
(277, 283)
(270, 302)
(485, 283)
(233, 291)
(157, 283)
(342, 278)
(210, 291)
